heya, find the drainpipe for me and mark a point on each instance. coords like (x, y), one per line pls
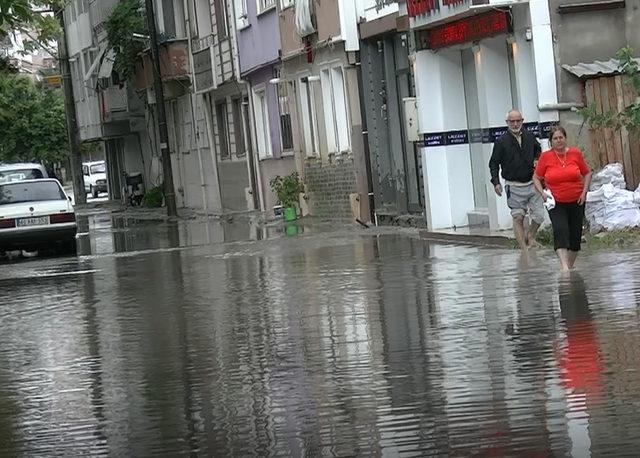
(365, 138)
(192, 102)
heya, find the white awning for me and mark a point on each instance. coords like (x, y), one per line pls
(106, 68)
(95, 63)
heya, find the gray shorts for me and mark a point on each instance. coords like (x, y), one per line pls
(525, 199)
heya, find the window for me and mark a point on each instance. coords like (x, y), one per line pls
(335, 110)
(261, 112)
(202, 18)
(242, 20)
(309, 122)
(285, 4)
(264, 5)
(16, 193)
(238, 127)
(222, 25)
(223, 132)
(286, 132)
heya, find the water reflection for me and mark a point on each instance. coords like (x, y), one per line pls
(328, 345)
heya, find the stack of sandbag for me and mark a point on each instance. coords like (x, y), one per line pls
(611, 174)
(610, 206)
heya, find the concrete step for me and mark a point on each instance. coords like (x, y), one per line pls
(478, 218)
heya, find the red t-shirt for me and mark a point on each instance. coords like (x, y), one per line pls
(564, 176)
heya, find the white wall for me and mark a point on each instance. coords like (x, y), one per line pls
(368, 9)
(447, 169)
(349, 24)
(494, 92)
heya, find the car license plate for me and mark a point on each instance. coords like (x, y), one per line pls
(39, 221)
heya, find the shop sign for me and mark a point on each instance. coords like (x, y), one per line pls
(464, 30)
(418, 7)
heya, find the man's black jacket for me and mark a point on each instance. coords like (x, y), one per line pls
(516, 161)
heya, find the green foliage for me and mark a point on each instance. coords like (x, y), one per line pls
(34, 18)
(32, 121)
(287, 189)
(126, 20)
(154, 197)
(544, 236)
(629, 117)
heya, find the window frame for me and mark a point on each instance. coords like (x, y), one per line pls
(222, 123)
(261, 120)
(241, 14)
(290, 87)
(264, 6)
(308, 116)
(336, 109)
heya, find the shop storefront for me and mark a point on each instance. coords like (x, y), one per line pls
(473, 63)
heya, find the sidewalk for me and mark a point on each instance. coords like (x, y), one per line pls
(472, 236)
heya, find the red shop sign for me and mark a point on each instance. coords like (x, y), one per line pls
(418, 7)
(464, 30)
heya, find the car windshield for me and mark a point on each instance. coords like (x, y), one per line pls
(15, 193)
(98, 168)
(7, 176)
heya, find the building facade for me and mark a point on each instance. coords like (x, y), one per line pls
(384, 108)
(473, 63)
(270, 98)
(388, 100)
(319, 44)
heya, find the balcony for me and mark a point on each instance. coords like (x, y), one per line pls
(99, 12)
(174, 64)
(114, 104)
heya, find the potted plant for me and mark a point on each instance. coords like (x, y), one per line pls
(287, 189)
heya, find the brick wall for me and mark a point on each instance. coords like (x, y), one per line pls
(329, 186)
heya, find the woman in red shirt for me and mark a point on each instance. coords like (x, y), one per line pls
(566, 174)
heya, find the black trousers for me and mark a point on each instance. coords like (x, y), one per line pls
(566, 220)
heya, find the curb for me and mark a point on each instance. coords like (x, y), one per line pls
(496, 241)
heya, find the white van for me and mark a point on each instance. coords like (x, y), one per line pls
(21, 172)
(95, 177)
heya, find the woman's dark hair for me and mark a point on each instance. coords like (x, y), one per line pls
(555, 129)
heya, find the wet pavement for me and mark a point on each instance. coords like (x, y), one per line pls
(231, 339)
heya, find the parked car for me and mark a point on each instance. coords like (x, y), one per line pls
(36, 215)
(22, 171)
(95, 177)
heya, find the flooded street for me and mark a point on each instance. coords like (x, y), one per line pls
(211, 339)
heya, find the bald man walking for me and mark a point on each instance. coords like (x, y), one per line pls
(516, 153)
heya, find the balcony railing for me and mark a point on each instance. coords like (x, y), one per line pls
(100, 11)
(266, 4)
(174, 64)
(116, 99)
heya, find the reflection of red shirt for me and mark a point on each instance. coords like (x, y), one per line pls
(564, 182)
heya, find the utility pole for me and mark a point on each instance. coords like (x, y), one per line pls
(167, 171)
(75, 159)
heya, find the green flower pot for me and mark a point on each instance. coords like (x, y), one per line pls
(290, 214)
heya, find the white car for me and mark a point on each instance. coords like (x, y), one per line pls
(36, 215)
(19, 172)
(95, 177)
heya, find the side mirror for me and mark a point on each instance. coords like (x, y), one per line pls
(70, 199)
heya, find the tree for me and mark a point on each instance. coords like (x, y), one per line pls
(32, 121)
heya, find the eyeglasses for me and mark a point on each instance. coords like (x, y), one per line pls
(514, 121)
